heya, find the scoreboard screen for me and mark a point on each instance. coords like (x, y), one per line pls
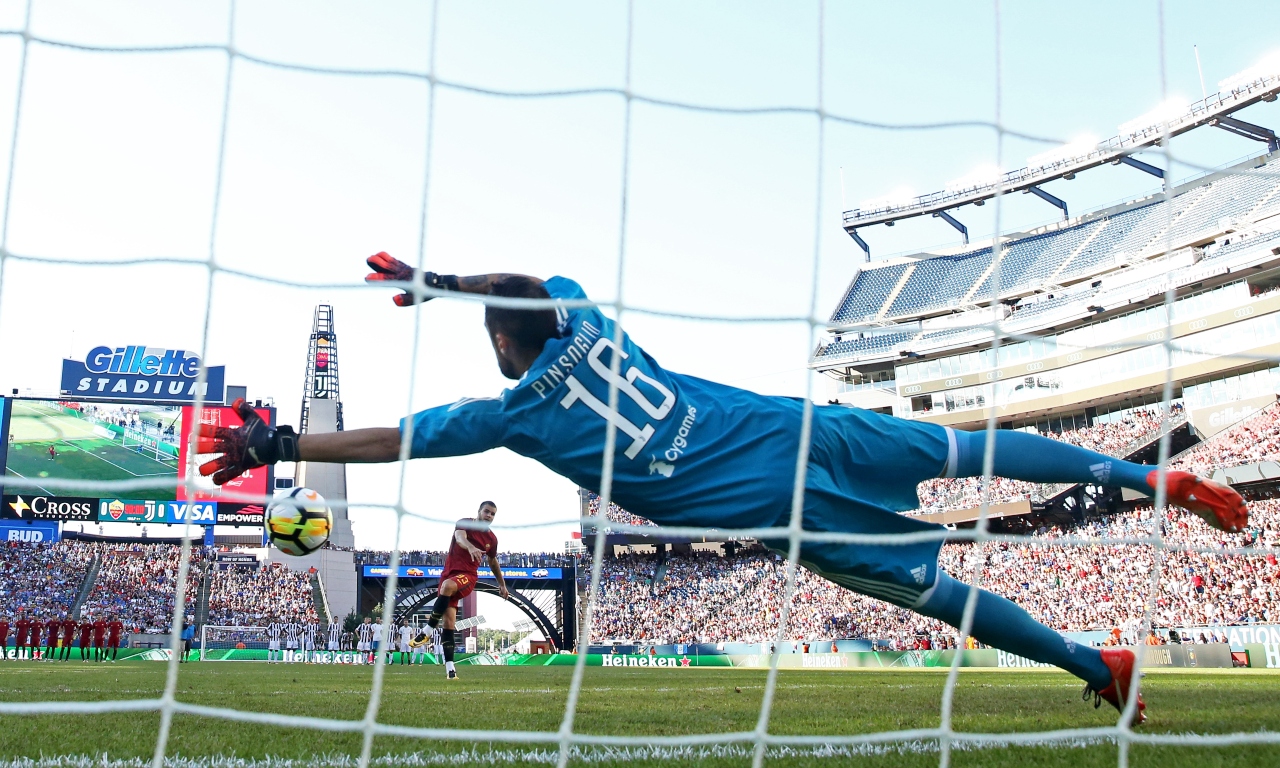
(47, 440)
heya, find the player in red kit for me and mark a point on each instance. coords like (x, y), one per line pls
(53, 453)
(33, 639)
(472, 541)
(4, 636)
(86, 629)
(53, 631)
(68, 637)
(99, 637)
(115, 629)
(24, 633)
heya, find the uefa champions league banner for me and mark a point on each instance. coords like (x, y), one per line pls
(136, 372)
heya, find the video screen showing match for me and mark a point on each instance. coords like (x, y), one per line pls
(62, 439)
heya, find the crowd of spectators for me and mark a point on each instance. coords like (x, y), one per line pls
(703, 597)
(253, 596)
(614, 513)
(136, 583)
(1252, 440)
(42, 579)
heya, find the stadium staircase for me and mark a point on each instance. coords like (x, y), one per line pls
(86, 587)
(202, 595)
(319, 598)
(897, 289)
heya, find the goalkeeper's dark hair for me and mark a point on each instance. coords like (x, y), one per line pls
(529, 328)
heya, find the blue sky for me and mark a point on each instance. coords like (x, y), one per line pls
(116, 158)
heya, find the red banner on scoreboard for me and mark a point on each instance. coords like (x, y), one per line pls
(252, 482)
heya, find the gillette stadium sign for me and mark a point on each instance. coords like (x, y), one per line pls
(136, 372)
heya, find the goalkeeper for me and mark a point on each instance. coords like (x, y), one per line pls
(691, 452)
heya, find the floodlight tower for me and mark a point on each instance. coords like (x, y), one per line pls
(321, 413)
(321, 382)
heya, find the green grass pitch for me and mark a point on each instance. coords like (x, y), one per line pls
(81, 454)
(614, 701)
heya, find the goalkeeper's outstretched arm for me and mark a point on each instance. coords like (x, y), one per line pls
(257, 444)
(387, 268)
(517, 335)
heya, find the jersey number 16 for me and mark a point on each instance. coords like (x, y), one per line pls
(626, 384)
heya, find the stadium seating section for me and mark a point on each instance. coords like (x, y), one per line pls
(703, 597)
(254, 597)
(1059, 256)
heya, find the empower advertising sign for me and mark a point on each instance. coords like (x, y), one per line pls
(135, 372)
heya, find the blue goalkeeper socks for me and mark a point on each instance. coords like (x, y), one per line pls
(1000, 623)
(1037, 459)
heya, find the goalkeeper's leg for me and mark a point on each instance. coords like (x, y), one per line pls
(1038, 459)
(1002, 624)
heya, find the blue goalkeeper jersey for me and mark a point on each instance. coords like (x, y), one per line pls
(688, 451)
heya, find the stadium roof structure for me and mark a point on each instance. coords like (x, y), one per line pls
(1240, 91)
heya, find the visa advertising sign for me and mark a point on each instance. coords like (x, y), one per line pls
(136, 372)
(160, 512)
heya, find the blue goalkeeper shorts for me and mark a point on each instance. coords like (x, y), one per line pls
(863, 469)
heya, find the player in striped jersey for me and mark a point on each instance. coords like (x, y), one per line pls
(310, 636)
(274, 630)
(292, 634)
(365, 634)
(335, 635)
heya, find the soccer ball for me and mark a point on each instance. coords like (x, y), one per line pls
(299, 523)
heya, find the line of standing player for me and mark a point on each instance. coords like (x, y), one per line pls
(99, 639)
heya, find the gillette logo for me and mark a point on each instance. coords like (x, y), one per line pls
(148, 361)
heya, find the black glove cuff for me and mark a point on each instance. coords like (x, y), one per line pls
(447, 282)
(286, 442)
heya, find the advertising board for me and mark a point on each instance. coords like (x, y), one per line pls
(134, 372)
(434, 571)
(164, 512)
(30, 532)
(28, 507)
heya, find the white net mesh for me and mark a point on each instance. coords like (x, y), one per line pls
(566, 738)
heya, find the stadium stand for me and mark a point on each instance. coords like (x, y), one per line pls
(42, 579)
(136, 584)
(253, 596)
(705, 597)
(1201, 210)
(1255, 439)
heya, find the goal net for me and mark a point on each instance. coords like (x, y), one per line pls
(812, 122)
(233, 643)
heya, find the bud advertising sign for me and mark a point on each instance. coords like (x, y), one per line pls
(135, 372)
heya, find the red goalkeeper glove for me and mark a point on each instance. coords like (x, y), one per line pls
(243, 448)
(388, 268)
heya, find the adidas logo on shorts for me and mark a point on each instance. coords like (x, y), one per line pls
(919, 573)
(1101, 471)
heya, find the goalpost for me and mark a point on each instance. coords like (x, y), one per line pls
(221, 643)
(153, 448)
